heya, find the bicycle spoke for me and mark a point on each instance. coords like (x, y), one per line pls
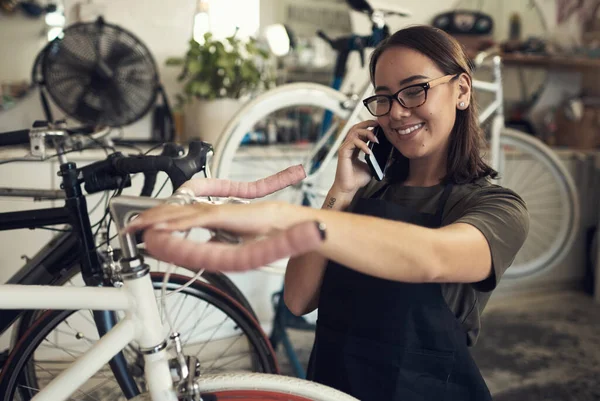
(78, 390)
(212, 335)
(222, 366)
(196, 324)
(224, 351)
(201, 318)
(184, 297)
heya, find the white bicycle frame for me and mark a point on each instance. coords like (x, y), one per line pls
(497, 124)
(142, 322)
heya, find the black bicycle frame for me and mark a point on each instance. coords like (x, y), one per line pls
(53, 262)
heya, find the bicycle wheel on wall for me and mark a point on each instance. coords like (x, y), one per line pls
(213, 327)
(298, 110)
(533, 171)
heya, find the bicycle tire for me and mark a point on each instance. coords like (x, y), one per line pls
(559, 199)
(260, 386)
(327, 98)
(267, 387)
(217, 279)
(17, 371)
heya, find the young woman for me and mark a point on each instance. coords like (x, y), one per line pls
(408, 263)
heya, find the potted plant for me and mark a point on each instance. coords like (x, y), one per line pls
(218, 76)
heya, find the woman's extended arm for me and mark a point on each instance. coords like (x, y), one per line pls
(399, 251)
(304, 273)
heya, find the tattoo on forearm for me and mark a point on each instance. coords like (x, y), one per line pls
(331, 202)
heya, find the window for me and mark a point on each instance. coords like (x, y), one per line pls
(221, 17)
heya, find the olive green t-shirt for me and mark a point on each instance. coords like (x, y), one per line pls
(501, 216)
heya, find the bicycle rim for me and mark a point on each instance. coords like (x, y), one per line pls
(535, 173)
(216, 329)
(265, 387)
(254, 386)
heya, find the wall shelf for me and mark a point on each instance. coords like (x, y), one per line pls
(554, 62)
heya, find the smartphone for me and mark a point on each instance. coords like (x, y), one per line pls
(380, 152)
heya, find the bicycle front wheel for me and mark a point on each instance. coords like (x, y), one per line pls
(251, 386)
(308, 118)
(213, 326)
(264, 387)
(535, 173)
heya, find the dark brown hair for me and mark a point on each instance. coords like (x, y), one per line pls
(465, 163)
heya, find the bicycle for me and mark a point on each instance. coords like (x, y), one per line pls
(76, 250)
(168, 379)
(545, 184)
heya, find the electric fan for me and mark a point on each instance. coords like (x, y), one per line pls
(99, 74)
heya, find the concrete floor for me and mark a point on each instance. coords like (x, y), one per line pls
(532, 347)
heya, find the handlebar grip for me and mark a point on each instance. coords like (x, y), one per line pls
(104, 174)
(215, 256)
(20, 137)
(142, 164)
(100, 176)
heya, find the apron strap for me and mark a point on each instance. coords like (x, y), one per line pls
(383, 185)
(442, 202)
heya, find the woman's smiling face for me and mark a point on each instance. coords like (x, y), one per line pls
(422, 132)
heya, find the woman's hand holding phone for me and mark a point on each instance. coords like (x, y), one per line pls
(352, 173)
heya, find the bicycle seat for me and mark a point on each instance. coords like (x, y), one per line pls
(383, 6)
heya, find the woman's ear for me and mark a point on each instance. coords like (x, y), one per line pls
(464, 92)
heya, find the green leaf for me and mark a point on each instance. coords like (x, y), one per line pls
(207, 66)
(175, 61)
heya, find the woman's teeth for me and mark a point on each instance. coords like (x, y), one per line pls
(409, 129)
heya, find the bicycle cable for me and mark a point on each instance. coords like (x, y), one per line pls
(163, 289)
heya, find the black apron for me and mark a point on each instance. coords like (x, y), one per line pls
(382, 340)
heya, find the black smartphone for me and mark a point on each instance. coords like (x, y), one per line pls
(380, 152)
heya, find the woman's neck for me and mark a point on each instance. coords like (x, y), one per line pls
(426, 172)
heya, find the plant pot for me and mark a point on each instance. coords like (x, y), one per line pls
(206, 119)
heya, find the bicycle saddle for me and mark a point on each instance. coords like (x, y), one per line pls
(383, 6)
(360, 5)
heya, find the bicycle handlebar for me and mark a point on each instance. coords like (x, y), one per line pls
(22, 136)
(483, 56)
(344, 45)
(110, 173)
(179, 169)
(217, 256)
(19, 137)
(113, 172)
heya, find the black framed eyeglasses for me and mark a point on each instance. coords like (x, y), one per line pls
(410, 97)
